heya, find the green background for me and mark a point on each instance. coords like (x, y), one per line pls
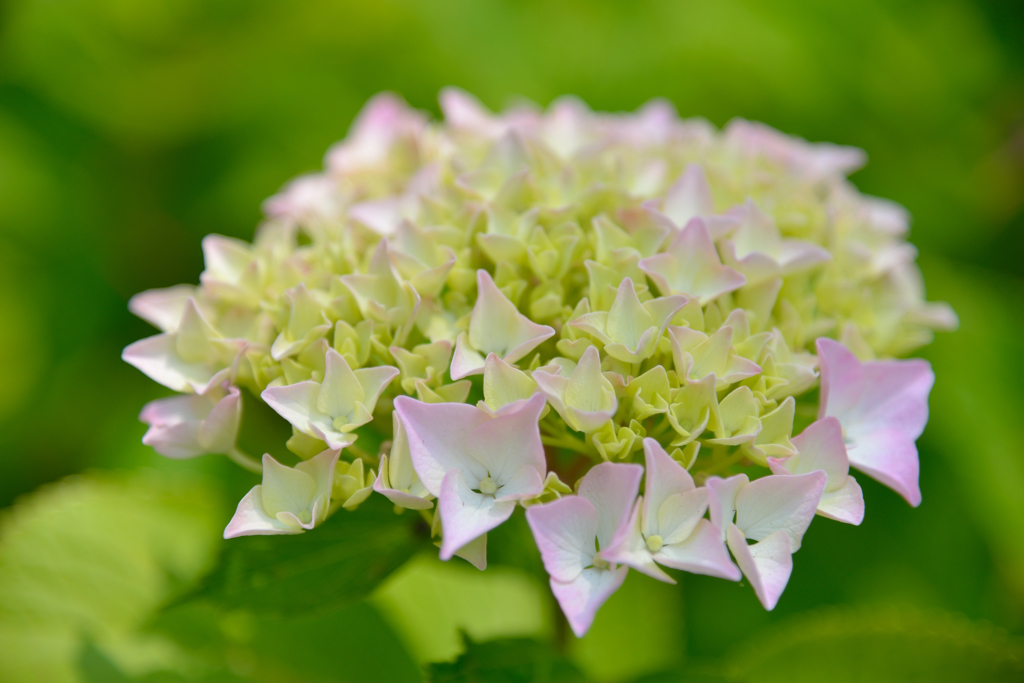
(128, 130)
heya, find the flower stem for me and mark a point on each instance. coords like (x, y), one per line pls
(567, 442)
(658, 431)
(722, 460)
(247, 461)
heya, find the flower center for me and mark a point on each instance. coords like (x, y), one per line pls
(654, 543)
(600, 563)
(488, 486)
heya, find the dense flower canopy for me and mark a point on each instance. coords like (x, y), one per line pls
(550, 310)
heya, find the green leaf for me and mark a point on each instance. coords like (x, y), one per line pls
(95, 667)
(432, 603)
(878, 645)
(507, 661)
(92, 558)
(335, 564)
(351, 645)
(639, 630)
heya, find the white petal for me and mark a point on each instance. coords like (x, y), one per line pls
(162, 308)
(287, 489)
(466, 514)
(158, 358)
(321, 468)
(845, 504)
(679, 514)
(703, 552)
(251, 520)
(297, 404)
(665, 477)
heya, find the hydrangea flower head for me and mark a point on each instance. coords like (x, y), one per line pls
(610, 320)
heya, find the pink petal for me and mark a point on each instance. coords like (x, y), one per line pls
(779, 503)
(510, 442)
(702, 553)
(883, 407)
(875, 395)
(767, 565)
(611, 488)
(583, 596)
(890, 457)
(820, 447)
(526, 482)
(565, 531)
(896, 395)
(842, 378)
(437, 438)
(466, 514)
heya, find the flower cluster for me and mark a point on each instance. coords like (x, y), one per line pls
(547, 309)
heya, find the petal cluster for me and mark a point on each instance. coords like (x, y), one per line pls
(621, 323)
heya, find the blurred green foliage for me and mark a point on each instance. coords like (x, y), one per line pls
(93, 558)
(317, 573)
(129, 130)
